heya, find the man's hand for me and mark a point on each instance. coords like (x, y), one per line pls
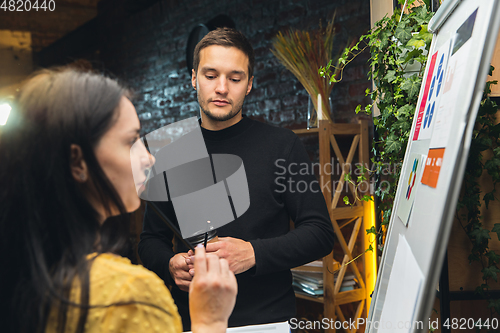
(179, 270)
(212, 293)
(237, 252)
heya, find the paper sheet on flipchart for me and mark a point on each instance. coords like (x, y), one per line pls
(283, 327)
(402, 295)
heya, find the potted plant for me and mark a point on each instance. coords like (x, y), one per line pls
(302, 53)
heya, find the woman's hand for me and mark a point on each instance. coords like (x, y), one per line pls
(212, 293)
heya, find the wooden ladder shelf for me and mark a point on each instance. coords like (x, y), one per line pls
(333, 298)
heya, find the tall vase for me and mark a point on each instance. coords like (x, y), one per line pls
(312, 113)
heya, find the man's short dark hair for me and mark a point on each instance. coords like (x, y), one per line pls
(225, 37)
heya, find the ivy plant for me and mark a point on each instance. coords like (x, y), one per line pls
(396, 43)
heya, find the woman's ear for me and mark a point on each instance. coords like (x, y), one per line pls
(77, 164)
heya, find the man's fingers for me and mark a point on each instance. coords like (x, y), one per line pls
(184, 276)
(184, 281)
(181, 265)
(200, 261)
(212, 247)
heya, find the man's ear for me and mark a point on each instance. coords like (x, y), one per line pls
(249, 87)
(193, 78)
(77, 164)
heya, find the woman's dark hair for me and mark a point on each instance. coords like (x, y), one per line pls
(47, 224)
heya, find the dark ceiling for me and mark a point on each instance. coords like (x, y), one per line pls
(48, 26)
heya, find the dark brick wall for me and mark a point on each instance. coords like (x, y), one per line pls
(147, 49)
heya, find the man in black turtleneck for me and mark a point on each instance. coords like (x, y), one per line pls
(258, 246)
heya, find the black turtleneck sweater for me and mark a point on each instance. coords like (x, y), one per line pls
(282, 188)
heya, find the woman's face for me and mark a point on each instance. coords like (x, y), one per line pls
(123, 165)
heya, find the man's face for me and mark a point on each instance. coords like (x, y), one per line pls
(222, 82)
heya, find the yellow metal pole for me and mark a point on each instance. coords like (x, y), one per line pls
(370, 256)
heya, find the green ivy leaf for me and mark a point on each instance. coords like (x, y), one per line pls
(422, 59)
(368, 109)
(480, 235)
(346, 200)
(488, 197)
(420, 11)
(492, 164)
(403, 125)
(410, 56)
(381, 41)
(372, 230)
(483, 143)
(403, 34)
(369, 249)
(416, 43)
(493, 258)
(412, 85)
(495, 130)
(392, 144)
(473, 257)
(406, 111)
(490, 272)
(390, 76)
(480, 291)
(496, 228)
(367, 198)
(494, 303)
(424, 30)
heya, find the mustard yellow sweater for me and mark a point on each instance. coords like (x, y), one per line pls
(115, 279)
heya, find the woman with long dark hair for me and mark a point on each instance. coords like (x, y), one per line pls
(66, 184)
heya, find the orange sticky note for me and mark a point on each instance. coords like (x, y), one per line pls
(433, 167)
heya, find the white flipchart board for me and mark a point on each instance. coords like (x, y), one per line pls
(465, 33)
